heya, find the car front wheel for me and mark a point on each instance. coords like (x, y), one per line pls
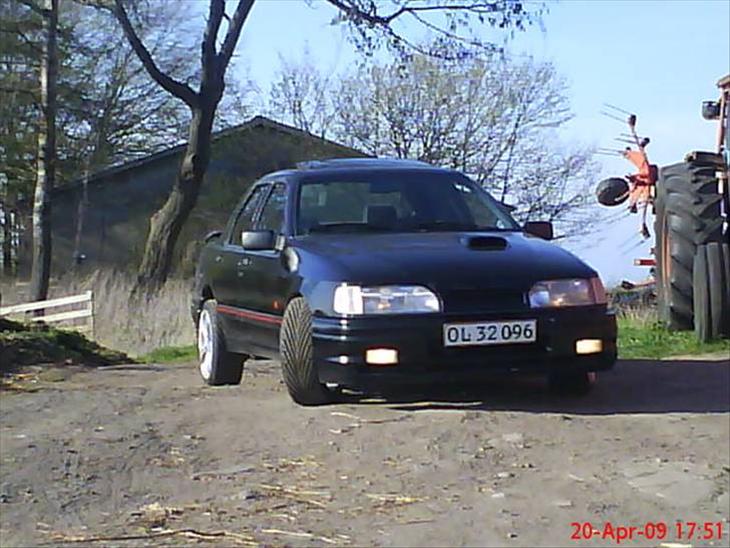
(217, 365)
(297, 362)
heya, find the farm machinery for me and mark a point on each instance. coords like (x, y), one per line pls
(690, 201)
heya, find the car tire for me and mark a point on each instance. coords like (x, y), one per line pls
(297, 360)
(688, 214)
(217, 366)
(711, 297)
(572, 383)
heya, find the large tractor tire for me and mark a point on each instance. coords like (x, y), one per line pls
(688, 214)
(711, 286)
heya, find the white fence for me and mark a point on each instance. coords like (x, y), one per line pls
(85, 312)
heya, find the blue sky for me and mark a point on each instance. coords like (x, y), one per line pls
(659, 59)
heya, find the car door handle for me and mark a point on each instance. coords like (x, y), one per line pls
(218, 259)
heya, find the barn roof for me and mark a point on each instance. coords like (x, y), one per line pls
(253, 123)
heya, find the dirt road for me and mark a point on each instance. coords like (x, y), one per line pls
(140, 450)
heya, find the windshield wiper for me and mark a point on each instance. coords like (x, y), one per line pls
(456, 226)
(345, 227)
(445, 226)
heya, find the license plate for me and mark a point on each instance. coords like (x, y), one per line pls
(486, 333)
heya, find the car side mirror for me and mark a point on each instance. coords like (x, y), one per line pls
(258, 239)
(541, 229)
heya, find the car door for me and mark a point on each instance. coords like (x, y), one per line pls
(265, 283)
(230, 260)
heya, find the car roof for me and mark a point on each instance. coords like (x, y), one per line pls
(367, 163)
(352, 164)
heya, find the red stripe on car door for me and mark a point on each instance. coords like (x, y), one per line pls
(249, 314)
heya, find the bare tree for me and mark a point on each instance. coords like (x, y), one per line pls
(117, 112)
(369, 22)
(457, 26)
(167, 222)
(241, 101)
(41, 270)
(492, 117)
(554, 183)
(301, 96)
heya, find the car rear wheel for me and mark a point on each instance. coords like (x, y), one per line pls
(572, 383)
(297, 360)
(217, 366)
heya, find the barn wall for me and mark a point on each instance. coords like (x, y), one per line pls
(116, 218)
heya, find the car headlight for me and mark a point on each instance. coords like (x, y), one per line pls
(571, 292)
(385, 299)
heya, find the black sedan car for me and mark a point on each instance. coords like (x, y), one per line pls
(364, 272)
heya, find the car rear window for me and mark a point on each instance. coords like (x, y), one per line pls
(397, 202)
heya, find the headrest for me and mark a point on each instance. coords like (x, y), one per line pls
(381, 215)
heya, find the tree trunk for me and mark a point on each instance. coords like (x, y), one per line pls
(167, 222)
(8, 221)
(24, 252)
(78, 257)
(45, 179)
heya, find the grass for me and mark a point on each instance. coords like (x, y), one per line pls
(170, 354)
(159, 329)
(134, 326)
(641, 335)
(22, 344)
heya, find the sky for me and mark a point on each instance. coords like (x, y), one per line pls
(657, 58)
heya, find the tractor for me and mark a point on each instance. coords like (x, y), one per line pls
(691, 203)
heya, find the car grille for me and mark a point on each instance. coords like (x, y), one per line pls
(470, 300)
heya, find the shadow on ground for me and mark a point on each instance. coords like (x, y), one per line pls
(633, 386)
(32, 344)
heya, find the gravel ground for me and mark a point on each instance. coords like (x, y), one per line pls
(150, 455)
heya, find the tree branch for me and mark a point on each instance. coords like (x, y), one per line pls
(215, 16)
(372, 17)
(178, 89)
(234, 31)
(368, 16)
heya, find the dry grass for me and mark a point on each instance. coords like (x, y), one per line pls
(644, 316)
(134, 327)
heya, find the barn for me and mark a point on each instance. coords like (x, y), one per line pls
(102, 222)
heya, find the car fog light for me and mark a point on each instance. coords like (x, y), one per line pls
(381, 356)
(588, 346)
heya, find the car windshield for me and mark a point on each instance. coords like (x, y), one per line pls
(399, 201)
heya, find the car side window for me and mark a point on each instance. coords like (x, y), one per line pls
(272, 215)
(246, 217)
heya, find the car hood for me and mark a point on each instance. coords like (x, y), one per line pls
(446, 259)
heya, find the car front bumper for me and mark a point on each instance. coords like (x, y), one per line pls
(340, 346)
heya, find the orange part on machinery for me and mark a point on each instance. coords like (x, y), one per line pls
(647, 174)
